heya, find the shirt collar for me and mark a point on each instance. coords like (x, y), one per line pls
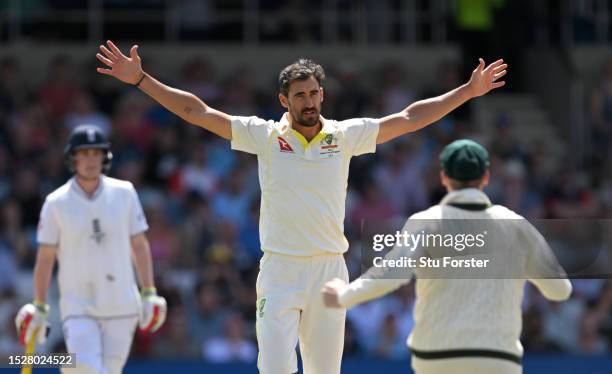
(285, 127)
(77, 188)
(466, 195)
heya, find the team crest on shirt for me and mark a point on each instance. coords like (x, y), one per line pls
(284, 146)
(329, 145)
(97, 234)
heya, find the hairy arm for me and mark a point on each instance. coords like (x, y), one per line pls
(425, 112)
(188, 106)
(184, 104)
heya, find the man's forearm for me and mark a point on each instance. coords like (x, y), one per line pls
(185, 105)
(143, 264)
(428, 111)
(42, 276)
(422, 113)
(362, 290)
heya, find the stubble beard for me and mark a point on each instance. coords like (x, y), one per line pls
(302, 121)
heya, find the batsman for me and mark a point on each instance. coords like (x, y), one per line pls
(303, 168)
(93, 226)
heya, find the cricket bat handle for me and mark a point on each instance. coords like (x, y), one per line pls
(30, 347)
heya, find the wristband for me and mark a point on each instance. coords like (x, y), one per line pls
(137, 84)
(41, 306)
(149, 291)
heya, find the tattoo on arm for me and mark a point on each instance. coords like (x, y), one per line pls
(188, 110)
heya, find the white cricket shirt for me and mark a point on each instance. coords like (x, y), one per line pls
(470, 313)
(96, 276)
(303, 184)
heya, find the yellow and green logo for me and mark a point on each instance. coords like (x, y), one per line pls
(260, 308)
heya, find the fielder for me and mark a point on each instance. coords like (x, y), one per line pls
(303, 168)
(466, 326)
(94, 226)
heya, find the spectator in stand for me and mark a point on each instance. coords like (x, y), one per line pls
(600, 112)
(177, 340)
(163, 238)
(233, 346)
(373, 206)
(232, 202)
(27, 195)
(13, 92)
(197, 77)
(399, 179)
(394, 92)
(206, 315)
(196, 176)
(518, 196)
(83, 111)
(60, 89)
(5, 173)
(389, 344)
(571, 197)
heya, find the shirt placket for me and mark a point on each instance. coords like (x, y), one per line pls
(308, 152)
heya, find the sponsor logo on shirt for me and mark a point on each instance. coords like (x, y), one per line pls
(284, 145)
(329, 145)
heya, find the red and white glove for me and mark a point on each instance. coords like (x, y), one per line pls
(153, 311)
(30, 318)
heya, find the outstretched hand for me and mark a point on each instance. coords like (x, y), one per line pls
(484, 79)
(126, 69)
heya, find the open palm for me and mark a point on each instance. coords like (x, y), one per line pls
(126, 69)
(484, 79)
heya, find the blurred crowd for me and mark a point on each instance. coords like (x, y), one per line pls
(202, 200)
(489, 22)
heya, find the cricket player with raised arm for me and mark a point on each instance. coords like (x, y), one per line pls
(465, 326)
(303, 168)
(94, 226)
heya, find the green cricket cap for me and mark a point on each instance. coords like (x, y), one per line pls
(464, 160)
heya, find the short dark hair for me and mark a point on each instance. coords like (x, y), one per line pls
(301, 70)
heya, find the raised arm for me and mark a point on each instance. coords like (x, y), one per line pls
(184, 104)
(425, 112)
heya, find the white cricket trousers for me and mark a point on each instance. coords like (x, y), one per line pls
(465, 365)
(290, 306)
(101, 346)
